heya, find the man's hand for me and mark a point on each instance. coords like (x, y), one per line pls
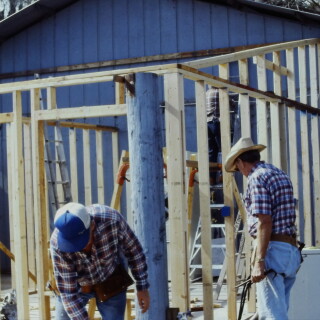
(144, 300)
(258, 272)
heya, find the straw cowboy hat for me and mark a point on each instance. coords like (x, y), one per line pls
(243, 145)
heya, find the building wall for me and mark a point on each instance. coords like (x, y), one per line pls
(99, 30)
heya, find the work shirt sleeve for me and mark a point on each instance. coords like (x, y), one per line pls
(261, 202)
(133, 251)
(66, 276)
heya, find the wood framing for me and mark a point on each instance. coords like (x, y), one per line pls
(294, 109)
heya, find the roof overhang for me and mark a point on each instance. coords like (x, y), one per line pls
(30, 15)
(253, 6)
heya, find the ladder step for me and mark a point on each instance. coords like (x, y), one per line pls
(50, 141)
(55, 161)
(59, 182)
(222, 246)
(216, 205)
(199, 266)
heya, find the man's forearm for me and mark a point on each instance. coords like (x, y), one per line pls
(264, 229)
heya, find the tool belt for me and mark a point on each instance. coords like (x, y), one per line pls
(116, 283)
(284, 238)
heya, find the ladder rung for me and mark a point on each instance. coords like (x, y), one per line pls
(223, 246)
(50, 141)
(216, 205)
(199, 266)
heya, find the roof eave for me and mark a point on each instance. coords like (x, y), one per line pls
(30, 15)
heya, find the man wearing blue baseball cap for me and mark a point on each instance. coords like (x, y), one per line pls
(86, 249)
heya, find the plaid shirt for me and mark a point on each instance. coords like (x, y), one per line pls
(270, 192)
(112, 236)
(212, 104)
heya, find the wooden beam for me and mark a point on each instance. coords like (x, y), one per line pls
(314, 77)
(82, 112)
(29, 200)
(175, 142)
(73, 163)
(262, 129)
(204, 199)
(81, 125)
(20, 237)
(228, 195)
(304, 131)
(276, 68)
(87, 167)
(292, 131)
(209, 62)
(100, 166)
(40, 207)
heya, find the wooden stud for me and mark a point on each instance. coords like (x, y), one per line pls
(278, 118)
(228, 195)
(115, 154)
(315, 141)
(244, 103)
(40, 207)
(73, 163)
(204, 199)
(305, 148)
(20, 237)
(82, 112)
(262, 129)
(292, 130)
(87, 168)
(100, 167)
(175, 142)
(29, 201)
(10, 152)
(275, 134)
(227, 58)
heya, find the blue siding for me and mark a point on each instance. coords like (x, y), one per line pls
(99, 30)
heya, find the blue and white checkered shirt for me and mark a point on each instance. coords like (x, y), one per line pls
(112, 235)
(270, 192)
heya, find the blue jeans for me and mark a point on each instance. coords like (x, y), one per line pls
(111, 309)
(214, 139)
(273, 292)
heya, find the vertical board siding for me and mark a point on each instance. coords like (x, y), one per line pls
(202, 26)
(168, 25)
(237, 21)
(220, 27)
(136, 28)
(75, 26)
(185, 26)
(152, 27)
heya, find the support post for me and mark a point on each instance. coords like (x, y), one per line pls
(177, 190)
(19, 220)
(147, 197)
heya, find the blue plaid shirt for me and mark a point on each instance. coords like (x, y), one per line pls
(270, 192)
(112, 236)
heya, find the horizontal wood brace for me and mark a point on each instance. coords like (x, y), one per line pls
(81, 112)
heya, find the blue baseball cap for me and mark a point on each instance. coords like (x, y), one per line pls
(73, 224)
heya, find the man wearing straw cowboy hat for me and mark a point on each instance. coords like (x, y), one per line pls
(270, 207)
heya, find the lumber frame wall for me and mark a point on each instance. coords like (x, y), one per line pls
(280, 134)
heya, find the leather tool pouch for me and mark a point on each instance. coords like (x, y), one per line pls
(118, 282)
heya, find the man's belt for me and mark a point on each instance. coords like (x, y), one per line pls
(284, 238)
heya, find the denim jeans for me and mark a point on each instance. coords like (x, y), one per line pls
(273, 292)
(214, 139)
(111, 309)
